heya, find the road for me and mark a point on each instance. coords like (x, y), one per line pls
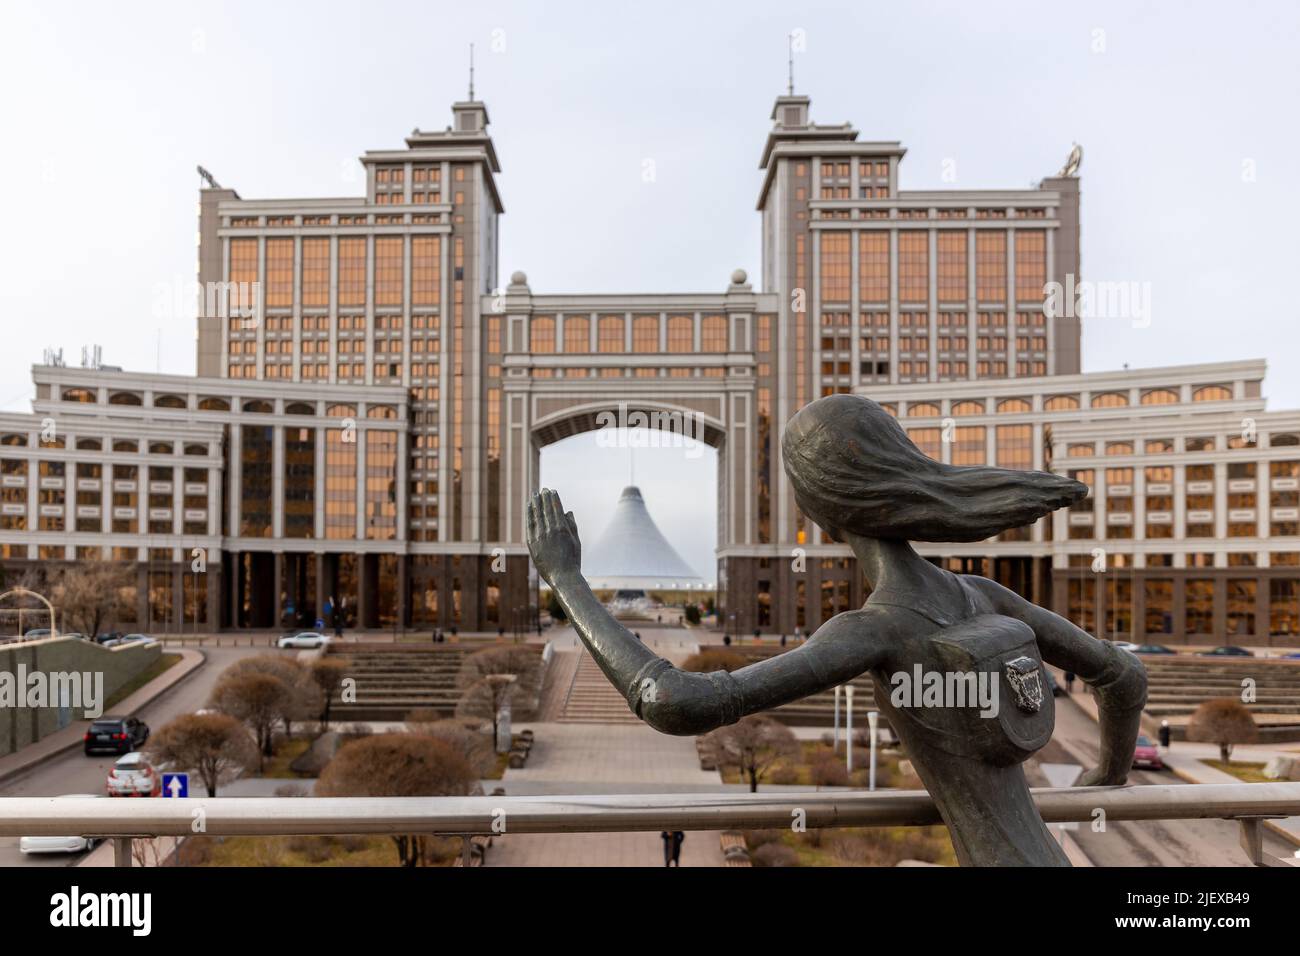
(74, 772)
(1179, 843)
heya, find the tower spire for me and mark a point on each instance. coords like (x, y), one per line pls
(471, 73)
(790, 63)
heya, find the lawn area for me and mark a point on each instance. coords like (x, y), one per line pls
(157, 668)
(852, 846)
(814, 752)
(1244, 771)
(306, 851)
(286, 752)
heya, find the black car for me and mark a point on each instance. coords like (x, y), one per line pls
(1152, 649)
(117, 735)
(1227, 651)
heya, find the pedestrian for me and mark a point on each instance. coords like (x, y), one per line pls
(783, 640)
(1069, 682)
(672, 846)
(726, 639)
(1164, 734)
(435, 636)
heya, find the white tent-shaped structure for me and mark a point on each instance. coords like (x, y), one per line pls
(633, 555)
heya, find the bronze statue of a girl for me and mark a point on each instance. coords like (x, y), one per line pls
(858, 476)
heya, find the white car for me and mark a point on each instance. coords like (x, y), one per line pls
(134, 776)
(1126, 645)
(144, 639)
(305, 639)
(60, 844)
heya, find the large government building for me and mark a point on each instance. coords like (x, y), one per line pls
(372, 400)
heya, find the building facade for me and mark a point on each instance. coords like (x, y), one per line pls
(929, 302)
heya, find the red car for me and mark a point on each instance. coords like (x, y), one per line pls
(1147, 755)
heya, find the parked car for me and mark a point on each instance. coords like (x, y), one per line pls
(118, 735)
(134, 776)
(60, 844)
(1126, 645)
(1152, 649)
(305, 639)
(1147, 755)
(1227, 650)
(130, 639)
(37, 633)
(108, 636)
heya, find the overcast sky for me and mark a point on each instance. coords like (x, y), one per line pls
(1186, 112)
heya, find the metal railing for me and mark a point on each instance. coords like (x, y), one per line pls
(466, 817)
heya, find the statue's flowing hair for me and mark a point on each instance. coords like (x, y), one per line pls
(854, 469)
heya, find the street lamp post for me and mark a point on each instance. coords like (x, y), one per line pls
(873, 718)
(835, 740)
(848, 727)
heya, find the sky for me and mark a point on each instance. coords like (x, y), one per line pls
(1185, 111)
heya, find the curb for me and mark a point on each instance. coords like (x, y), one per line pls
(25, 768)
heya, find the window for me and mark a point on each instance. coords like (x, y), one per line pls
(1008, 405)
(645, 334)
(426, 270)
(969, 446)
(388, 270)
(913, 266)
(352, 271)
(951, 266)
(609, 334)
(681, 334)
(279, 273)
(1060, 403)
(922, 410)
(835, 267)
(78, 395)
(1109, 400)
(577, 334)
(315, 271)
(1212, 393)
(991, 266)
(873, 266)
(542, 335)
(1031, 264)
(968, 408)
(713, 333)
(1160, 396)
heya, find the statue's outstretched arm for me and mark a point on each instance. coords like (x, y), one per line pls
(671, 700)
(1118, 677)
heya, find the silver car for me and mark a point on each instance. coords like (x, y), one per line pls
(305, 639)
(60, 844)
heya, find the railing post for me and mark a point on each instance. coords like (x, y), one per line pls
(122, 851)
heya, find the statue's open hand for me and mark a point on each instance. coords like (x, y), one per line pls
(552, 536)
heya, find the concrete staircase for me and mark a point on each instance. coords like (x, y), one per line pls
(592, 699)
(394, 679)
(1176, 685)
(819, 709)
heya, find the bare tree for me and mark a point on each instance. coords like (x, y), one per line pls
(753, 745)
(88, 594)
(464, 739)
(328, 674)
(515, 659)
(1225, 722)
(216, 746)
(485, 699)
(303, 702)
(398, 765)
(259, 700)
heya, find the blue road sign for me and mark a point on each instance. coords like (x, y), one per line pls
(176, 785)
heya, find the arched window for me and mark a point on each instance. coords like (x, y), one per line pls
(1014, 405)
(1061, 403)
(341, 411)
(89, 444)
(542, 335)
(890, 407)
(78, 395)
(197, 450)
(1198, 444)
(381, 411)
(258, 406)
(169, 401)
(1212, 393)
(1079, 450)
(1160, 396)
(13, 439)
(123, 444)
(299, 408)
(160, 448)
(713, 333)
(681, 334)
(125, 398)
(1109, 400)
(210, 404)
(1283, 440)
(922, 410)
(968, 408)
(1119, 448)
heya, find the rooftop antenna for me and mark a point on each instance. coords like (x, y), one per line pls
(471, 73)
(790, 51)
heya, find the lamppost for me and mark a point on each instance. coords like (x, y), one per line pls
(873, 718)
(848, 727)
(835, 740)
